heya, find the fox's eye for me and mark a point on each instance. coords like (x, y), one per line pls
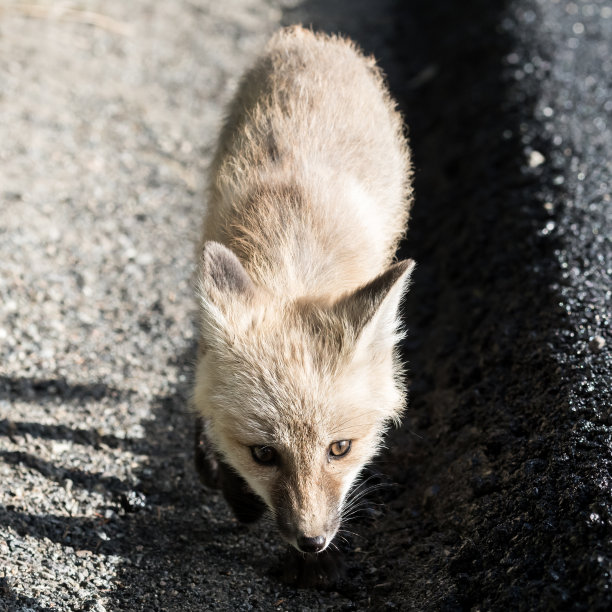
(265, 455)
(339, 449)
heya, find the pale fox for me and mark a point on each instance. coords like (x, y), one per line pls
(298, 374)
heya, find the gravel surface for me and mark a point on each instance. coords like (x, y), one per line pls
(511, 311)
(502, 496)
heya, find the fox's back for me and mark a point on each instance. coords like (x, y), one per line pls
(310, 183)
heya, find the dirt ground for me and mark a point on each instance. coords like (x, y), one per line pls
(499, 491)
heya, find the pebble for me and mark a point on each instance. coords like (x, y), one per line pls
(536, 159)
(597, 343)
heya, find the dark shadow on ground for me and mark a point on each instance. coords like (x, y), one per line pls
(42, 390)
(86, 437)
(493, 510)
(80, 478)
(13, 601)
(80, 533)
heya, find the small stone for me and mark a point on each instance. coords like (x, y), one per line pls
(133, 501)
(536, 159)
(596, 343)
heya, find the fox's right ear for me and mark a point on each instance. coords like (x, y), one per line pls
(374, 310)
(222, 282)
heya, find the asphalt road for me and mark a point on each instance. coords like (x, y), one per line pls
(499, 491)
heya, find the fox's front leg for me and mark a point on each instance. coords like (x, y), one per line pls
(206, 462)
(246, 506)
(216, 474)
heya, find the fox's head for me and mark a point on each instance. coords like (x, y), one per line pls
(297, 393)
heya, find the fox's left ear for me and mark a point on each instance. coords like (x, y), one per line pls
(373, 310)
(223, 283)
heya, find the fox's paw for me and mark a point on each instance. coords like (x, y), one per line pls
(313, 571)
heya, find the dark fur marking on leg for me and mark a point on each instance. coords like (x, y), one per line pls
(206, 462)
(246, 506)
(216, 474)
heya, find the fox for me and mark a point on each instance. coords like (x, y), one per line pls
(298, 374)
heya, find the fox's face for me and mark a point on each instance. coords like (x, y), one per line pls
(298, 394)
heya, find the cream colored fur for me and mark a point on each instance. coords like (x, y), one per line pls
(309, 196)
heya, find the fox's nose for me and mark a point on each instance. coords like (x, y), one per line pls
(311, 545)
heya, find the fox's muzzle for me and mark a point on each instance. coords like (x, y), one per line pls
(306, 513)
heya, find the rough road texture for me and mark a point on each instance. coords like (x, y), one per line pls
(108, 112)
(512, 356)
